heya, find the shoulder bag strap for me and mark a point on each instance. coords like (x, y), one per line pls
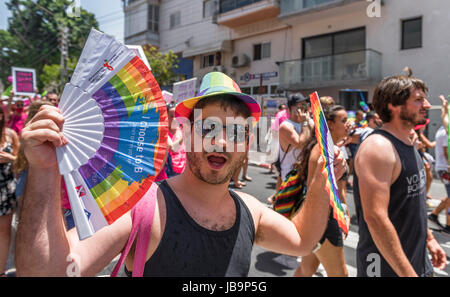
(142, 217)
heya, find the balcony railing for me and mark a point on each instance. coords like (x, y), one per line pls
(228, 5)
(334, 70)
(290, 6)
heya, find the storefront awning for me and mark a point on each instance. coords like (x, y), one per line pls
(223, 45)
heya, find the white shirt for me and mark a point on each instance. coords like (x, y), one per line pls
(441, 146)
(293, 153)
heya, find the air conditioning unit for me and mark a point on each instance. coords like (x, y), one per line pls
(219, 68)
(241, 60)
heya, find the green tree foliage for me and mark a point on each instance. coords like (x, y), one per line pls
(163, 65)
(33, 36)
(51, 75)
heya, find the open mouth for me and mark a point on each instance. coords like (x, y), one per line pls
(216, 161)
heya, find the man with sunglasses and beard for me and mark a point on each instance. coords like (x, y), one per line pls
(200, 227)
(390, 187)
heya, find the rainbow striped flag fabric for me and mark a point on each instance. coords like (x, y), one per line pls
(326, 146)
(289, 196)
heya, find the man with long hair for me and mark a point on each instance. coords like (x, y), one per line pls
(390, 187)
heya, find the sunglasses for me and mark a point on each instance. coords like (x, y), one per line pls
(236, 133)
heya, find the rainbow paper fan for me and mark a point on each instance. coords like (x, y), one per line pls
(326, 147)
(116, 124)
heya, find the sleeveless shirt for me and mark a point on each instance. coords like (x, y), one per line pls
(190, 250)
(290, 158)
(407, 211)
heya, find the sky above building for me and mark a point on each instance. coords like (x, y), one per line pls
(109, 14)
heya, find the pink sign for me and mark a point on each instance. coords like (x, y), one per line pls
(24, 81)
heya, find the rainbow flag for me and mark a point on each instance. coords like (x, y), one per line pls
(326, 146)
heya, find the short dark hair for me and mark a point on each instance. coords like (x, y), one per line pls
(225, 101)
(395, 90)
(294, 99)
(370, 115)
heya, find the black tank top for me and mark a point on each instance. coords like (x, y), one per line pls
(189, 250)
(407, 211)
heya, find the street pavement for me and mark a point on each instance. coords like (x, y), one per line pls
(268, 264)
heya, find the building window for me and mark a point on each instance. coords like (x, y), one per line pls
(209, 8)
(412, 33)
(153, 18)
(334, 43)
(261, 51)
(260, 90)
(207, 61)
(247, 90)
(273, 89)
(314, 3)
(228, 5)
(175, 19)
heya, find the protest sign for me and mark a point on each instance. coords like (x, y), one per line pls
(184, 89)
(167, 96)
(24, 81)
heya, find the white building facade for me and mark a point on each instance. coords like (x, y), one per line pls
(340, 48)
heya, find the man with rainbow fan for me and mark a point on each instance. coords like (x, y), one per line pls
(198, 227)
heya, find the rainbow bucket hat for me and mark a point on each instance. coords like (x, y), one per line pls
(216, 83)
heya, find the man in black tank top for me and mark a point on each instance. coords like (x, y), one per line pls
(200, 227)
(390, 187)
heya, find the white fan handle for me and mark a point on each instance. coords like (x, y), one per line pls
(81, 221)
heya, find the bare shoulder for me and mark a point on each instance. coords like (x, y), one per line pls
(253, 204)
(286, 128)
(256, 207)
(315, 153)
(376, 148)
(377, 159)
(11, 133)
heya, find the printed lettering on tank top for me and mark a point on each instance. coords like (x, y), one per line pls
(416, 184)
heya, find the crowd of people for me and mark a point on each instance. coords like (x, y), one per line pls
(385, 215)
(15, 113)
(208, 227)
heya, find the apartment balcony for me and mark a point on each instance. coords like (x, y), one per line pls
(235, 13)
(291, 10)
(341, 70)
(142, 38)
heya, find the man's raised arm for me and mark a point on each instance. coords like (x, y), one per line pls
(43, 247)
(299, 236)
